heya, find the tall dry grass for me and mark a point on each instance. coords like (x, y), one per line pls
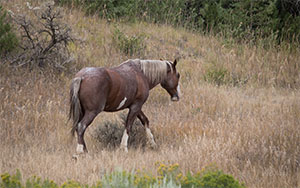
(251, 131)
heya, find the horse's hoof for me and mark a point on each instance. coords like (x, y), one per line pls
(75, 157)
(153, 146)
(124, 149)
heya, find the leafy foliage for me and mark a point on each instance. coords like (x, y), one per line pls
(217, 75)
(129, 45)
(245, 20)
(8, 39)
(169, 176)
(211, 179)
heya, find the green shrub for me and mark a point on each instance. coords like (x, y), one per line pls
(129, 45)
(8, 181)
(8, 39)
(211, 179)
(114, 9)
(36, 182)
(72, 184)
(15, 181)
(169, 176)
(217, 179)
(217, 75)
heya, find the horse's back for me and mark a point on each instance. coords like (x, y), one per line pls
(90, 72)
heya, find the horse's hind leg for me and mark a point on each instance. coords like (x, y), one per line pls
(87, 119)
(145, 122)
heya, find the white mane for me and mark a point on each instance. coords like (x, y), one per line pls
(155, 70)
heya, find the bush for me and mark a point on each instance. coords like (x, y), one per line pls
(15, 181)
(217, 75)
(211, 179)
(109, 134)
(8, 181)
(169, 176)
(8, 39)
(44, 38)
(120, 179)
(129, 45)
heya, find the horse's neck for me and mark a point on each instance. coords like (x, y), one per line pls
(135, 65)
(152, 85)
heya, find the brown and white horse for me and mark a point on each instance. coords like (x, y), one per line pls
(97, 89)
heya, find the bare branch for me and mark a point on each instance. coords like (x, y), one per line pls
(45, 38)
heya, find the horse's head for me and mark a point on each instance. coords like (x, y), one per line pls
(171, 83)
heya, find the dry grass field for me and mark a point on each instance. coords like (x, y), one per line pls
(250, 130)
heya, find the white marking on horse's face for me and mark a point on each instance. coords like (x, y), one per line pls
(79, 148)
(122, 103)
(178, 90)
(176, 97)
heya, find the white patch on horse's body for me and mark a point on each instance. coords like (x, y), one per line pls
(122, 103)
(79, 148)
(124, 141)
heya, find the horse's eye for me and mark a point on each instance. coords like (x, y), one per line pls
(178, 75)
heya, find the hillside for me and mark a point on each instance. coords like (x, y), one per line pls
(239, 111)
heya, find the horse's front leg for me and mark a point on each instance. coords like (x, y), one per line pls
(145, 122)
(133, 111)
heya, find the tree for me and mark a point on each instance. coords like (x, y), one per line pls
(8, 39)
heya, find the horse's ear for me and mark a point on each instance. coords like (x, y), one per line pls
(175, 62)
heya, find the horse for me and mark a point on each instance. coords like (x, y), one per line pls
(97, 89)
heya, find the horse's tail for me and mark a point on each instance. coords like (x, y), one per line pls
(75, 107)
